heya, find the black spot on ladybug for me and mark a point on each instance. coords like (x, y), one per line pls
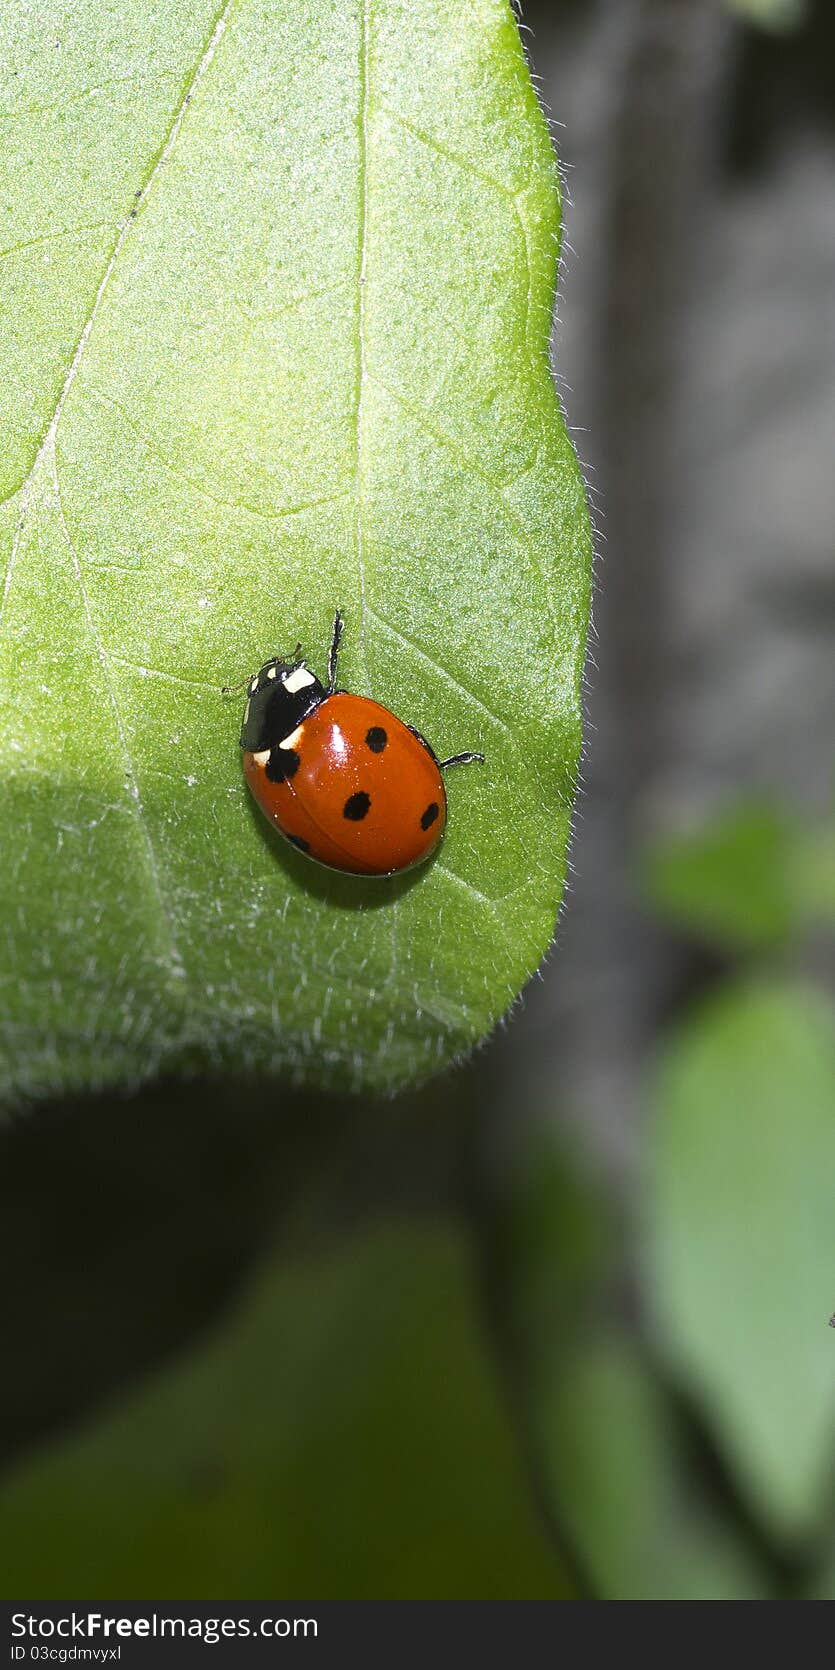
(356, 806)
(282, 763)
(303, 846)
(430, 815)
(376, 739)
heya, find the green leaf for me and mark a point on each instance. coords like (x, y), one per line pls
(822, 1584)
(777, 16)
(279, 282)
(815, 874)
(740, 1255)
(612, 1457)
(732, 882)
(622, 1487)
(342, 1438)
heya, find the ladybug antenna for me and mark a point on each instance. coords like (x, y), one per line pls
(236, 689)
(468, 758)
(333, 652)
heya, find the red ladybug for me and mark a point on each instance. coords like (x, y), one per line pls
(341, 776)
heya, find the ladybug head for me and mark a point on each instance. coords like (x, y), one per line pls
(278, 699)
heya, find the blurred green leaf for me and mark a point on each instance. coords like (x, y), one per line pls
(815, 873)
(821, 1586)
(779, 16)
(342, 1437)
(741, 1255)
(623, 1487)
(731, 882)
(747, 880)
(281, 279)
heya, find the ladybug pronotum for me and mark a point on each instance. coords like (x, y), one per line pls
(340, 776)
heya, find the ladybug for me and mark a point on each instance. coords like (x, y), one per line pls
(340, 776)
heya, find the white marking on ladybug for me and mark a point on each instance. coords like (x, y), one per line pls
(253, 685)
(290, 741)
(262, 758)
(246, 714)
(273, 672)
(298, 680)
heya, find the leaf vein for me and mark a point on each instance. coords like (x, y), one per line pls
(361, 368)
(471, 467)
(84, 93)
(170, 678)
(448, 154)
(198, 486)
(488, 899)
(54, 238)
(443, 672)
(175, 960)
(161, 158)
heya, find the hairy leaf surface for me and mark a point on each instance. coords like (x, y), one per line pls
(277, 284)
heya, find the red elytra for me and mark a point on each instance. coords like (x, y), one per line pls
(342, 778)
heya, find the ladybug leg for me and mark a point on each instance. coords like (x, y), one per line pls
(467, 758)
(333, 652)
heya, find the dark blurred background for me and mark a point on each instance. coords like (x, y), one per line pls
(556, 1325)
